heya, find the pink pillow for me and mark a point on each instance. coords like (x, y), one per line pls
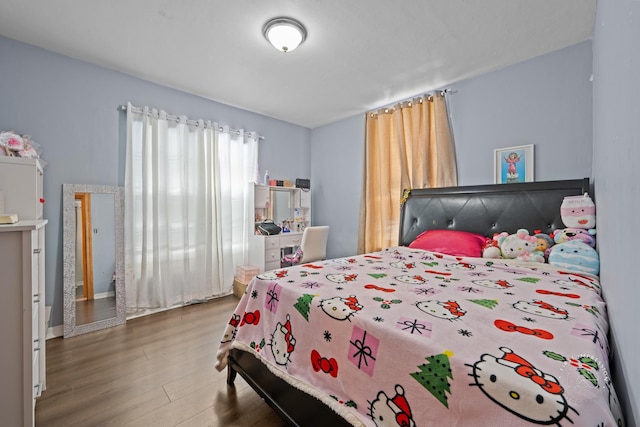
(451, 242)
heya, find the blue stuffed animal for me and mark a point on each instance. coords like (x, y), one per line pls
(575, 255)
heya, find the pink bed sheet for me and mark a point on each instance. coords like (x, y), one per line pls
(405, 337)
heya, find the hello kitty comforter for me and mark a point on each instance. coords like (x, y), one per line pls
(405, 337)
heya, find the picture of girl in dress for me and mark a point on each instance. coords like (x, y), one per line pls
(513, 164)
(512, 171)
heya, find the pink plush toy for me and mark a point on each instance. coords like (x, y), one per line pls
(579, 216)
(578, 212)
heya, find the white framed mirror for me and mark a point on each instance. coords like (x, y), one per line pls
(282, 201)
(93, 248)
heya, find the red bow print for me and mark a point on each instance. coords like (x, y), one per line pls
(328, 366)
(559, 294)
(510, 327)
(378, 288)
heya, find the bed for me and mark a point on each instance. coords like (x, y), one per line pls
(409, 337)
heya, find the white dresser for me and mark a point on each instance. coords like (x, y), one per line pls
(265, 252)
(22, 321)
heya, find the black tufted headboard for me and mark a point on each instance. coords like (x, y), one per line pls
(487, 209)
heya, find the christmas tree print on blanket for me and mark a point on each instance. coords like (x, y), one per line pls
(303, 304)
(489, 303)
(433, 376)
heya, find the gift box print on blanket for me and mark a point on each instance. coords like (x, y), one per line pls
(406, 337)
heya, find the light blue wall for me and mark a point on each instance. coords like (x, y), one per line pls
(616, 153)
(69, 107)
(545, 101)
(337, 159)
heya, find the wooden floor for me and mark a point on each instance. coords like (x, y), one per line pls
(94, 310)
(154, 371)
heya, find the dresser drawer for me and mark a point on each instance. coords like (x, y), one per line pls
(292, 240)
(272, 255)
(271, 243)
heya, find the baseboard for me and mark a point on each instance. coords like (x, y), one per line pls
(55, 332)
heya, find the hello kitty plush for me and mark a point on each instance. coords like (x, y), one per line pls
(520, 246)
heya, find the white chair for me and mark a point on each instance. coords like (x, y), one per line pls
(314, 243)
(313, 246)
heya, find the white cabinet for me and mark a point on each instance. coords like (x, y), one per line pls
(21, 182)
(22, 320)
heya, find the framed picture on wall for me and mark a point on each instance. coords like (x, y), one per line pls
(513, 164)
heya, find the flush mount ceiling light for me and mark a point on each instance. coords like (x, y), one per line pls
(285, 34)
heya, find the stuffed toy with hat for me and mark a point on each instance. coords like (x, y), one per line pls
(545, 242)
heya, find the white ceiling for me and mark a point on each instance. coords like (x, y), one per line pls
(358, 55)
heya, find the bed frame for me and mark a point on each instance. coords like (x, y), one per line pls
(484, 209)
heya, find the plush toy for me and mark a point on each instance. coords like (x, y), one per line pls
(578, 212)
(491, 249)
(545, 242)
(520, 245)
(567, 234)
(11, 143)
(575, 255)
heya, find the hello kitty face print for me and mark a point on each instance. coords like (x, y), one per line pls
(541, 308)
(493, 284)
(341, 308)
(393, 411)
(411, 280)
(448, 310)
(341, 277)
(282, 342)
(578, 211)
(519, 387)
(273, 275)
(460, 266)
(403, 265)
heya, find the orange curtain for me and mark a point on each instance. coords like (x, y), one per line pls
(408, 146)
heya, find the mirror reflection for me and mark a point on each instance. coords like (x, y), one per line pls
(95, 257)
(94, 296)
(281, 205)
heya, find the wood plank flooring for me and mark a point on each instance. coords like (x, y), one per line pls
(155, 371)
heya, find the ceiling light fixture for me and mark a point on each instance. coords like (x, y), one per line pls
(285, 34)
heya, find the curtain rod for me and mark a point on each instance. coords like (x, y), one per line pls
(408, 101)
(188, 121)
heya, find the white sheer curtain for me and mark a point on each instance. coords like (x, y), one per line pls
(186, 213)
